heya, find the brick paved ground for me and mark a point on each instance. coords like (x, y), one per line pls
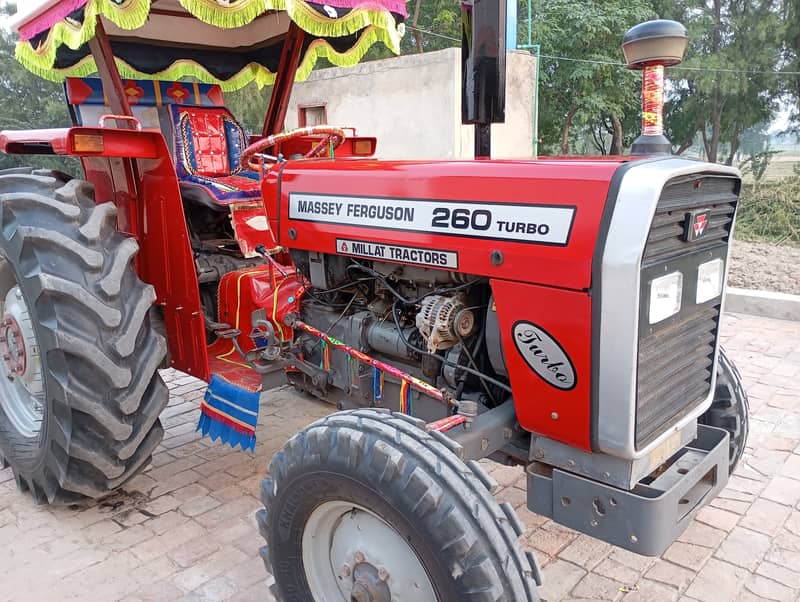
(185, 528)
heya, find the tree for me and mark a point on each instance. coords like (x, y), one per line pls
(790, 13)
(592, 91)
(727, 83)
(29, 102)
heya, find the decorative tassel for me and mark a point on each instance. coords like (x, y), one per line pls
(377, 384)
(325, 362)
(406, 402)
(352, 370)
(229, 413)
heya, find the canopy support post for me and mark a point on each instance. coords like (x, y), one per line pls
(100, 48)
(282, 88)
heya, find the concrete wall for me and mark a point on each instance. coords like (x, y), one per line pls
(412, 104)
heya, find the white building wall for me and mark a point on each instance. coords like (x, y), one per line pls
(412, 104)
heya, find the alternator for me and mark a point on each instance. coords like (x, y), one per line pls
(440, 318)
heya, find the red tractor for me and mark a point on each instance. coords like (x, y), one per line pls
(559, 314)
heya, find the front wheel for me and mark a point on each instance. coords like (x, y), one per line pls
(365, 505)
(730, 409)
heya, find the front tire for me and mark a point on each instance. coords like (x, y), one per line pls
(79, 408)
(730, 409)
(349, 493)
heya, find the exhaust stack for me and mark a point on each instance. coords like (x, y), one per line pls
(650, 47)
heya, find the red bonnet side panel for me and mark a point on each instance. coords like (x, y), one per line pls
(546, 335)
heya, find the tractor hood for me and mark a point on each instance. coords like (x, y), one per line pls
(225, 42)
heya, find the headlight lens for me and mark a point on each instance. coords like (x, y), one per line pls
(665, 296)
(710, 276)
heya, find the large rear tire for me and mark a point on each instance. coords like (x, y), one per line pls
(730, 409)
(80, 394)
(366, 505)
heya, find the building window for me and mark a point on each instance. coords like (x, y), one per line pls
(309, 115)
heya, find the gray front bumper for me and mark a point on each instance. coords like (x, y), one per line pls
(648, 518)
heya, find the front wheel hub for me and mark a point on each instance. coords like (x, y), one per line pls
(368, 585)
(21, 389)
(339, 535)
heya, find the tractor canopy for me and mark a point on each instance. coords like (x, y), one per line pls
(226, 42)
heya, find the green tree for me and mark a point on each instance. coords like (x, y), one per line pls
(29, 102)
(590, 92)
(790, 13)
(727, 83)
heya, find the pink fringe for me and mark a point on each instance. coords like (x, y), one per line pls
(395, 6)
(49, 18)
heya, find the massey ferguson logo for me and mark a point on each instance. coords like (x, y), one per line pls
(696, 224)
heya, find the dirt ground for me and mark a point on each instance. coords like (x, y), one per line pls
(765, 266)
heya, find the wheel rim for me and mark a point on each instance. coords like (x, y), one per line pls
(351, 554)
(21, 386)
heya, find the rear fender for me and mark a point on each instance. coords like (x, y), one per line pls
(82, 142)
(134, 170)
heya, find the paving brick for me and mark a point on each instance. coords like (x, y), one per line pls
(199, 505)
(551, 538)
(586, 551)
(783, 490)
(220, 588)
(769, 589)
(791, 468)
(717, 580)
(597, 587)
(688, 555)
(617, 571)
(200, 573)
(189, 553)
(701, 534)
(651, 591)
(559, 579)
(785, 551)
(167, 522)
(248, 573)
(155, 592)
(718, 518)
(744, 548)
(671, 574)
(776, 572)
(765, 516)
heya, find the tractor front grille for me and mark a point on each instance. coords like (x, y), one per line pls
(675, 360)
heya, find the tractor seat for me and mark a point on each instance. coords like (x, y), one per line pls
(208, 142)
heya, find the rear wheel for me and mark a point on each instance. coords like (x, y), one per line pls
(730, 409)
(365, 505)
(80, 393)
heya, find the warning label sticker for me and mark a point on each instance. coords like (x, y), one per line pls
(518, 222)
(417, 255)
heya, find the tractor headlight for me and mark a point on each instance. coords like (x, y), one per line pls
(710, 276)
(665, 296)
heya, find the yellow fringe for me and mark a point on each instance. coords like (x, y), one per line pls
(308, 19)
(249, 73)
(129, 15)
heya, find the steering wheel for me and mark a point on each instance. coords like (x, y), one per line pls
(330, 136)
